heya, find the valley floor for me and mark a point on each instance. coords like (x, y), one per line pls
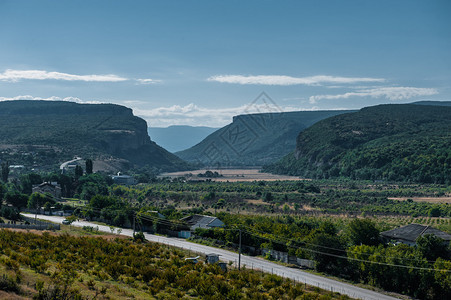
(231, 175)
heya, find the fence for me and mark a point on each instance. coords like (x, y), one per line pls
(284, 257)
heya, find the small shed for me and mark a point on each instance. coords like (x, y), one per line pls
(123, 179)
(184, 234)
(223, 266)
(212, 258)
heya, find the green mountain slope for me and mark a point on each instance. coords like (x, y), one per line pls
(64, 129)
(254, 140)
(392, 142)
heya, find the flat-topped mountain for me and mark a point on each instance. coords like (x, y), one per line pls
(106, 132)
(404, 142)
(254, 139)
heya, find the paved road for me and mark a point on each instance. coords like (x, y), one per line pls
(64, 164)
(248, 261)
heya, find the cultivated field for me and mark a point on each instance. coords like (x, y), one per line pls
(232, 175)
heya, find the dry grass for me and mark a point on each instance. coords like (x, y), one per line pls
(257, 202)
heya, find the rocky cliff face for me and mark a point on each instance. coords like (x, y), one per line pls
(101, 131)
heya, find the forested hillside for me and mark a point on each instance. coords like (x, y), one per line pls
(255, 139)
(390, 142)
(59, 130)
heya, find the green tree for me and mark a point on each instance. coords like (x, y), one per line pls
(36, 200)
(5, 171)
(432, 247)
(99, 201)
(89, 166)
(363, 231)
(47, 206)
(78, 172)
(435, 212)
(443, 277)
(2, 191)
(17, 200)
(221, 203)
(66, 183)
(328, 227)
(326, 251)
(268, 197)
(27, 182)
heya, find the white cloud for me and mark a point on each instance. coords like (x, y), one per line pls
(147, 81)
(52, 98)
(194, 115)
(16, 75)
(288, 80)
(391, 93)
(190, 114)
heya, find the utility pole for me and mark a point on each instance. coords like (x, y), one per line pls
(36, 212)
(239, 253)
(134, 218)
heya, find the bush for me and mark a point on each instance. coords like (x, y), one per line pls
(139, 237)
(8, 284)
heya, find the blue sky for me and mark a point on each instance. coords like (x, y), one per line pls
(201, 62)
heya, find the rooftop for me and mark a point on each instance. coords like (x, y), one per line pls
(199, 220)
(413, 231)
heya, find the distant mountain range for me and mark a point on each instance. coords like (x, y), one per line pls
(255, 139)
(60, 130)
(179, 137)
(405, 142)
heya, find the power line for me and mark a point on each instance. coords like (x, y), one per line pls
(174, 223)
(359, 260)
(330, 248)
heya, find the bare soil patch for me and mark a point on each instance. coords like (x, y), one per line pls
(10, 296)
(110, 165)
(257, 202)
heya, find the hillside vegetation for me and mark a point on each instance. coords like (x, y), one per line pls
(255, 139)
(60, 130)
(388, 142)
